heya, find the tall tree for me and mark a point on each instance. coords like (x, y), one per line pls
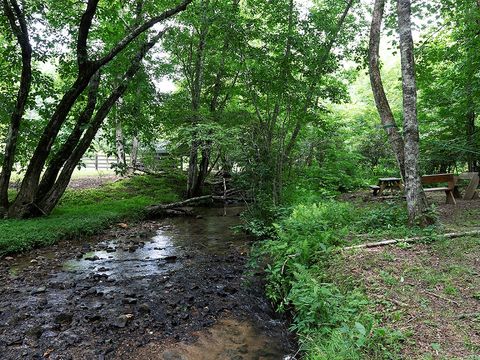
(18, 24)
(416, 200)
(381, 101)
(28, 199)
(449, 81)
(287, 79)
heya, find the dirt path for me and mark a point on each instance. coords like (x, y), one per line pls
(156, 290)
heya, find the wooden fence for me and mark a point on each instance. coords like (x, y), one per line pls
(100, 161)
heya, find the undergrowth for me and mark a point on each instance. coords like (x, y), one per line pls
(85, 212)
(332, 315)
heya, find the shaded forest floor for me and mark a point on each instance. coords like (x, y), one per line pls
(429, 292)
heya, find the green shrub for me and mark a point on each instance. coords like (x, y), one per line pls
(332, 319)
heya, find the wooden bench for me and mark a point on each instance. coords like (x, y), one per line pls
(471, 190)
(448, 179)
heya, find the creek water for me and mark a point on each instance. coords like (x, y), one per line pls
(169, 289)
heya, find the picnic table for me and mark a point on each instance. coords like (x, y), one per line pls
(471, 190)
(387, 183)
(452, 188)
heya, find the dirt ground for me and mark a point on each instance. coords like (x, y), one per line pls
(428, 292)
(90, 182)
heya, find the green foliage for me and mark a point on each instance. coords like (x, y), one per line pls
(331, 318)
(389, 215)
(85, 212)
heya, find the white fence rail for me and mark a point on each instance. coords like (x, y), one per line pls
(100, 161)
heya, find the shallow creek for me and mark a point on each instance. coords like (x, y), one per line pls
(170, 289)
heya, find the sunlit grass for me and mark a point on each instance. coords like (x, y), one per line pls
(84, 212)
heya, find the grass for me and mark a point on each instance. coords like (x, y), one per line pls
(85, 212)
(428, 292)
(331, 313)
(408, 301)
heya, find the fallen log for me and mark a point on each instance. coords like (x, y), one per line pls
(410, 240)
(175, 209)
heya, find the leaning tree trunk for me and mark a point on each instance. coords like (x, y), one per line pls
(54, 167)
(416, 201)
(18, 24)
(27, 194)
(386, 115)
(49, 201)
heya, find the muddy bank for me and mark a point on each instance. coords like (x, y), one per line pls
(157, 290)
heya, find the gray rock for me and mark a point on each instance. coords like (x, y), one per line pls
(122, 320)
(39, 290)
(172, 355)
(64, 318)
(144, 308)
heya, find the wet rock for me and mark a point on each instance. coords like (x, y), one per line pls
(49, 334)
(15, 340)
(92, 258)
(64, 318)
(42, 302)
(171, 258)
(144, 308)
(92, 317)
(39, 290)
(69, 337)
(122, 320)
(35, 332)
(98, 277)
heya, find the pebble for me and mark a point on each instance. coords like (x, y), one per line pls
(39, 290)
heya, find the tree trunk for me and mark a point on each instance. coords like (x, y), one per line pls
(134, 154)
(46, 204)
(119, 143)
(381, 101)
(202, 171)
(15, 15)
(196, 91)
(86, 69)
(192, 169)
(470, 134)
(55, 165)
(416, 201)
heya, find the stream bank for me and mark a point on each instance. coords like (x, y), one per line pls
(167, 289)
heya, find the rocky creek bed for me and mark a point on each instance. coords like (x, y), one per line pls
(169, 289)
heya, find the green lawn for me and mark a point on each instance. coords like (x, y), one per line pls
(84, 212)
